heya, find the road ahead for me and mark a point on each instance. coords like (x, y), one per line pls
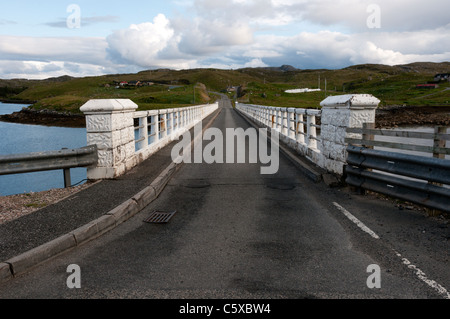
(240, 234)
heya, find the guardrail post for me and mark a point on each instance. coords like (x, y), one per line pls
(67, 178)
(338, 114)
(439, 142)
(110, 126)
(66, 174)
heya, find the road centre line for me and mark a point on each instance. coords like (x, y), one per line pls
(419, 273)
(356, 221)
(422, 276)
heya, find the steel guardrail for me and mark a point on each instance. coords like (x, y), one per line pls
(64, 159)
(415, 179)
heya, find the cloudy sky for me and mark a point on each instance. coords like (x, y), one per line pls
(41, 39)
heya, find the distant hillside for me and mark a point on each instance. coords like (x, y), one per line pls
(394, 85)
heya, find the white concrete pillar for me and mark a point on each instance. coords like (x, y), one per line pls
(110, 126)
(338, 114)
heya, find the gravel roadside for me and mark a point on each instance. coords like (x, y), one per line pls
(15, 206)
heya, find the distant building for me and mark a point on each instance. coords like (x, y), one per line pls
(427, 86)
(442, 77)
(134, 83)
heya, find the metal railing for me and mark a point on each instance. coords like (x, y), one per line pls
(414, 178)
(64, 159)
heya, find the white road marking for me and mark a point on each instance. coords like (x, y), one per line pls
(422, 276)
(356, 221)
(419, 273)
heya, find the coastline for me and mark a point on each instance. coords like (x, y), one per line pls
(386, 117)
(12, 101)
(46, 118)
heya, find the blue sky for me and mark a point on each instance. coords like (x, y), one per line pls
(116, 36)
(32, 18)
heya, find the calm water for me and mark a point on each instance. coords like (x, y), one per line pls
(20, 138)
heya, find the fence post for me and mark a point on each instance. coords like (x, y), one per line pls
(338, 114)
(368, 137)
(439, 142)
(110, 126)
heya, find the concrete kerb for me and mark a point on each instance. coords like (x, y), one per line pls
(31, 258)
(25, 262)
(5, 272)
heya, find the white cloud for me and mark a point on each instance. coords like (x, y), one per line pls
(42, 70)
(398, 15)
(204, 36)
(255, 63)
(83, 50)
(140, 44)
(242, 33)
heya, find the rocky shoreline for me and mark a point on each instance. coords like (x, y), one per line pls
(45, 117)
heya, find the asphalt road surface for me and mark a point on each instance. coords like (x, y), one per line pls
(239, 234)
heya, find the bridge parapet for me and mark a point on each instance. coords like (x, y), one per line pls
(324, 143)
(125, 138)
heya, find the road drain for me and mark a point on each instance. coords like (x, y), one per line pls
(158, 217)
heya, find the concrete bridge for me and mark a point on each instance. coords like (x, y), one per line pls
(233, 231)
(126, 137)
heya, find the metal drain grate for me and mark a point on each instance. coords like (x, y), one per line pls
(158, 217)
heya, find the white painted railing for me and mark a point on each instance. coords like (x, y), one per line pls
(152, 127)
(323, 144)
(296, 124)
(125, 137)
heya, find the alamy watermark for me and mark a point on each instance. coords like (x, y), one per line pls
(230, 148)
(74, 279)
(374, 19)
(74, 19)
(374, 280)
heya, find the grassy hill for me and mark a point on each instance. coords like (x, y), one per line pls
(393, 85)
